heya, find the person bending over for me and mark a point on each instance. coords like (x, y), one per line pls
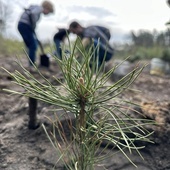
(59, 39)
(96, 35)
(27, 24)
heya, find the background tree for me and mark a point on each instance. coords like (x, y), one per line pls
(5, 15)
(142, 38)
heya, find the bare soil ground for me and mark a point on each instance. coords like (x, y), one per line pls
(25, 149)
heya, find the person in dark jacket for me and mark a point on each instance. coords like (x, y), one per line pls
(59, 39)
(27, 24)
(98, 36)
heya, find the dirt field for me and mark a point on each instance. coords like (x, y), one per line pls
(24, 149)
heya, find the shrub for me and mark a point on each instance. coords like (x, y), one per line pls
(166, 55)
(99, 114)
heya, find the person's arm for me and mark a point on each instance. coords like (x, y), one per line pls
(35, 15)
(85, 41)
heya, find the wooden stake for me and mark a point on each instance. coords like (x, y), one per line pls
(32, 113)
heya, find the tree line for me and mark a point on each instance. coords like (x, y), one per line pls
(149, 39)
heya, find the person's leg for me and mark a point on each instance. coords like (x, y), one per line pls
(32, 50)
(58, 48)
(29, 40)
(101, 53)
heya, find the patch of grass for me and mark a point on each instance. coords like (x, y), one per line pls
(139, 53)
(10, 47)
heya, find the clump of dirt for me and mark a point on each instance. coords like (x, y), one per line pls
(22, 148)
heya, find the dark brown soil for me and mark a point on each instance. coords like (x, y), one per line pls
(25, 149)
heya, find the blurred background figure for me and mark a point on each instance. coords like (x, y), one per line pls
(27, 24)
(105, 31)
(58, 39)
(99, 36)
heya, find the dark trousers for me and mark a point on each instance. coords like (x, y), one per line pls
(58, 48)
(29, 40)
(101, 54)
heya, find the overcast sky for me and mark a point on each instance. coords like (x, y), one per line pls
(121, 16)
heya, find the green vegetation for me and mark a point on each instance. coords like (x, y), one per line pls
(100, 116)
(166, 55)
(140, 53)
(145, 45)
(10, 47)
